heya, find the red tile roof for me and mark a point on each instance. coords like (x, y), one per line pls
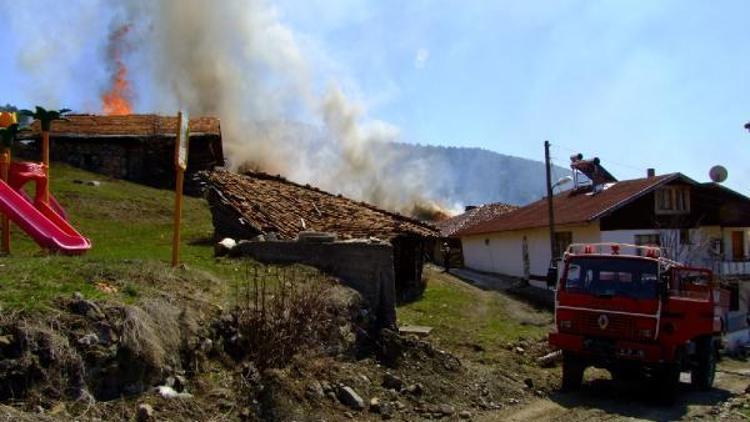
(128, 125)
(474, 216)
(572, 208)
(273, 204)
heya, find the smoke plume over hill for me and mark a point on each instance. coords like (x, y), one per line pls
(238, 60)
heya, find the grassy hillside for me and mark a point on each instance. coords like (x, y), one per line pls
(130, 227)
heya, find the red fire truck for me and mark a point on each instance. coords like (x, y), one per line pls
(630, 310)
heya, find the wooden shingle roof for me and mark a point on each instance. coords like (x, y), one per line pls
(473, 216)
(273, 204)
(132, 125)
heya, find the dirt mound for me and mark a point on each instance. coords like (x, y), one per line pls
(94, 350)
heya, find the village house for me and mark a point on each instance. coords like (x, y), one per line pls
(702, 224)
(135, 147)
(448, 228)
(247, 205)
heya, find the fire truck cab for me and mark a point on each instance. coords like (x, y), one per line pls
(630, 310)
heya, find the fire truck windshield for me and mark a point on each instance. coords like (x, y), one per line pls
(609, 277)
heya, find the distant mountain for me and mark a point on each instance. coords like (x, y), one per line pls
(474, 176)
(394, 175)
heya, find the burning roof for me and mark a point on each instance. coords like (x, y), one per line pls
(266, 204)
(88, 125)
(473, 216)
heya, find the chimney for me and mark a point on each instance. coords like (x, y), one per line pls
(469, 208)
(650, 173)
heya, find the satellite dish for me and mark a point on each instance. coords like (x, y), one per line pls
(718, 174)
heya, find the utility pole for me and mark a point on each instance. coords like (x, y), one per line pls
(550, 208)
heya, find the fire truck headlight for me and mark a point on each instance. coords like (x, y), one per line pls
(566, 324)
(645, 333)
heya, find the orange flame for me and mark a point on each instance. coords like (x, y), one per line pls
(116, 101)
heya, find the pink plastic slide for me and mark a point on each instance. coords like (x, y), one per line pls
(42, 223)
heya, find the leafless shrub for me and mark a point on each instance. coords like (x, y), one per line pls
(281, 311)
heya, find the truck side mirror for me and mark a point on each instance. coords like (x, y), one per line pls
(551, 276)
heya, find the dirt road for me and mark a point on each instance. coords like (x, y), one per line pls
(601, 399)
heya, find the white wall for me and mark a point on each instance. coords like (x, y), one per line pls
(728, 251)
(502, 252)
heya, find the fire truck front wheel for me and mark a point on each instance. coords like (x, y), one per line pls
(572, 372)
(704, 371)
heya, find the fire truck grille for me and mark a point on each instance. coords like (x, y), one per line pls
(604, 325)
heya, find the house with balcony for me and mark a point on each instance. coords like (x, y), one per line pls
(701, 224)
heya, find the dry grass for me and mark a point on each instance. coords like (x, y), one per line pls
(281, 311)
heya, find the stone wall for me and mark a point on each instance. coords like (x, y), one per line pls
(365, 267)
(147, 160)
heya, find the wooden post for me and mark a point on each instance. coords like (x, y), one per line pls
(550, 207)
(45, 161)
(180, 162)
(180, 180)
(4, 174)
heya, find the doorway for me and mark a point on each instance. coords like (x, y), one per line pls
(738, 246)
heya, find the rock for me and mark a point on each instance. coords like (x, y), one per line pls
(106, 333)
(399, 405)
(86, 308)
(331, 395)
(6, 340)
(747, 390)
(349, 415)
(145, 412)
(520, 350)
(386, 410)
(415, 389)
(224, 247)
(315, 390)
(375, 405)
(180, 383)
(392, 381)
(94, 183)
(349, 397)
(417, 330)
(326, 386)
(549, 359)
(513, 400)
(88, 340)
(169, 393)
(464, 414)
(529, 382)
(447, 409)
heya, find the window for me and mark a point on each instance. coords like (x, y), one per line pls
(672, 200)
(685, 237)
(562, 241)
(612, 277)
(647, 240)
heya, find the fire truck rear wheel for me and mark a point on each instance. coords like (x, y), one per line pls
(702, 375)
(572, 372)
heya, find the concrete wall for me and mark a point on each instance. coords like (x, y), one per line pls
(503, 252)
(728, 250)
(365, 267)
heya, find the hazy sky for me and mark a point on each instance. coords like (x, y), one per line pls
(647, 83)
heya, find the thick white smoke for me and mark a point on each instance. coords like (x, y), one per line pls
(237, 60)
